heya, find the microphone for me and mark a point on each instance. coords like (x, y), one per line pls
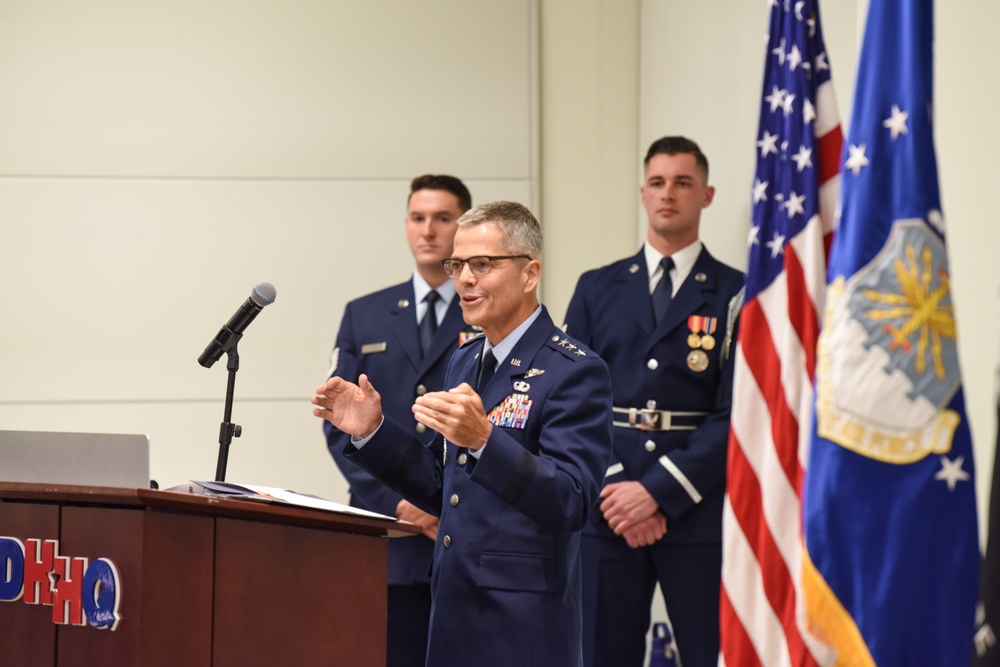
(262, 294)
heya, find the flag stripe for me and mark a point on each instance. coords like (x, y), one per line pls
(764, 365)
(748, 505)
(740, 651)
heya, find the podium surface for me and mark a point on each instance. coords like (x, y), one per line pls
(200, 580)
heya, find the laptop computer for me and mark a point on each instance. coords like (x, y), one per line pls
(88, 459)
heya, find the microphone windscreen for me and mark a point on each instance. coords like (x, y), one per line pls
(263, 294)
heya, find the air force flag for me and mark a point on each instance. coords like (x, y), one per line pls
(889, 503)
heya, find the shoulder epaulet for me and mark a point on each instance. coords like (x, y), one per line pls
(569, 347)
(735, 306)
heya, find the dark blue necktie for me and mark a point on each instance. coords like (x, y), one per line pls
(663, 292)
(486, 371)
(428, 325)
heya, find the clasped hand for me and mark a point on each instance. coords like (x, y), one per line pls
(457, 414)
(632, 512)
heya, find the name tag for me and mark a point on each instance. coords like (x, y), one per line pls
(371, 348)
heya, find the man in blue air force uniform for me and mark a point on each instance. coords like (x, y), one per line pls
(402, 338)
(664, 330)
(517, 465)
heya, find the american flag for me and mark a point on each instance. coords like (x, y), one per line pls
(794, 195)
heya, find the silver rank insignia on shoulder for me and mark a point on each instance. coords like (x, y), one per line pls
(521, 386)
(568, 345)
(533, 372)
(580, 353)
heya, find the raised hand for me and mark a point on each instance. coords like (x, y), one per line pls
(355, 409)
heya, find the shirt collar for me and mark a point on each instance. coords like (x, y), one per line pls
(503, 348)
(684, 259)
(421, 287)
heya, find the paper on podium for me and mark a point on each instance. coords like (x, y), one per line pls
(272, 494)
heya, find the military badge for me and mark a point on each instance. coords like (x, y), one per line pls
(466, 336)
(512, 412)
(697, 360)
(702, 327)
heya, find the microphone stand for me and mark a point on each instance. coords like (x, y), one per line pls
(228, 430)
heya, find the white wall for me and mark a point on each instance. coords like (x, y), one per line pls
(157, 159)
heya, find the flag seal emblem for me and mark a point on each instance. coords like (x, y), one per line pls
(888, 352)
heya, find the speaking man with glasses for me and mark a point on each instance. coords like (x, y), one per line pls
(524, 439)
(663, 319)
(402, 337)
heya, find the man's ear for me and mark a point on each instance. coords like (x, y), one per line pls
(709, 195)
(532, 274)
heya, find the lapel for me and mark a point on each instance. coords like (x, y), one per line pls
(403, 322)
(690, 297)
(446, 337)
(500, 385)
(635, 288)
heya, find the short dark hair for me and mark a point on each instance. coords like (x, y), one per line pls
(676, 146)
(443, 182)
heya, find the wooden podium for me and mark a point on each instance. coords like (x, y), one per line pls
(203, 581)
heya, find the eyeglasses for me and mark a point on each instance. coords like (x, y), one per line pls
(480, 266)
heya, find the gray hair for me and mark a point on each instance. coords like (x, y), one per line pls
(522, 235)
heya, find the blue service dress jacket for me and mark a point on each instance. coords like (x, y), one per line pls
(664, 366)
(378, 336)
(506, 584)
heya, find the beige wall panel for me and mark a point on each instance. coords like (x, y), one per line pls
(968, 140)
(116, 287)
(298, 88)
(589, 126)
(701, 75)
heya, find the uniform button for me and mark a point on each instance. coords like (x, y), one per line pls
(462, 458)
(652, 364)
(421, 390)
(650, 446)
(447, 541)
(421, 428)
(454, 500)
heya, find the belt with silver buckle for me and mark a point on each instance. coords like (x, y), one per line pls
(652, 419)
